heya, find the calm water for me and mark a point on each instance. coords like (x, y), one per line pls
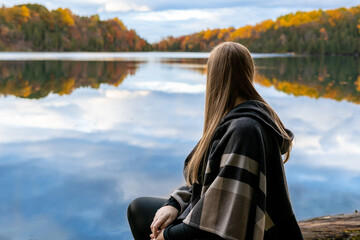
(82, 136)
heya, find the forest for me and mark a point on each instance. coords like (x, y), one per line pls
(335, 31)
(32, 27)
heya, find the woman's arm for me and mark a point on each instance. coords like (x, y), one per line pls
(183, 231)
(182, 195)
(172, 202)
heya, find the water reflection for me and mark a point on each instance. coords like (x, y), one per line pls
(36, 79)
(71, 163)
(335, 77)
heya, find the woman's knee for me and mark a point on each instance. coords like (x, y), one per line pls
(144, 207)
(134, 207)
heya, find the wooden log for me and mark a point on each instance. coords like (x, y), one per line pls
(340, 226)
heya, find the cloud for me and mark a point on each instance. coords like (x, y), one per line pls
(171, 87)
(110, 112)
(174, 15)
(325, 131)
(122, 6)
(154, 25)
(103, 147)
(121, 94)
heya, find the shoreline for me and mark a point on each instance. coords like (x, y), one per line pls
(130, 56)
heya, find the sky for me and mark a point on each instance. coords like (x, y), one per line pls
(156, 19)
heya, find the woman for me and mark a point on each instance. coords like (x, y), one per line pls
(235, 181)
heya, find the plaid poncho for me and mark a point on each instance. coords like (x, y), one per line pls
(244, 194)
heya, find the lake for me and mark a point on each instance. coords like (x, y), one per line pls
(83, 134)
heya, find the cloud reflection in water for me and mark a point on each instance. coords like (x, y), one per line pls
(70, 164)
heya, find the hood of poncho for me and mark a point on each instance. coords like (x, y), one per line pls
(257, 110)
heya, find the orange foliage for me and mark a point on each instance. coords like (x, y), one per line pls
(119, 23)
(323, 33)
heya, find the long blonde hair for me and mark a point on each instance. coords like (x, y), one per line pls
(230, 74)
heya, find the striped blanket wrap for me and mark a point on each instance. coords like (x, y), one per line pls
(243, 189)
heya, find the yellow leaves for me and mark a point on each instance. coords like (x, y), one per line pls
(223, 33)
(66, 16)
(119, 23)
(262, 80)
(357, 83)
(67, 86)
(334, 14)
(264, 25)
(297, 89)
(20, 14)
(25, 13)
(315, 15)
(299, 18)
(18, 87)
(209, 34)
(243, 32)
(26, 91)
(119, 81)
(94, 20)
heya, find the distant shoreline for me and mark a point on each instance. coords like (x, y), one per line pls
(136, 56)
(108, 56)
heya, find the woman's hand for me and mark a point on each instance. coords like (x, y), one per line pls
(159, 237)
(163, 217)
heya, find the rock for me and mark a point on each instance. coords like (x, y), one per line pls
(340, 226)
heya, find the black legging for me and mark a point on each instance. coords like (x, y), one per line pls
(140, 214)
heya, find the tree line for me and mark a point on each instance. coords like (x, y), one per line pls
(32, 27)
(334, 31)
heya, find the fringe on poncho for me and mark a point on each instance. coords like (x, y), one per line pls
(244, 193)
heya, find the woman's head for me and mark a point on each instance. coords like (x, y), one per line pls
(230, 76)
(230, 73)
